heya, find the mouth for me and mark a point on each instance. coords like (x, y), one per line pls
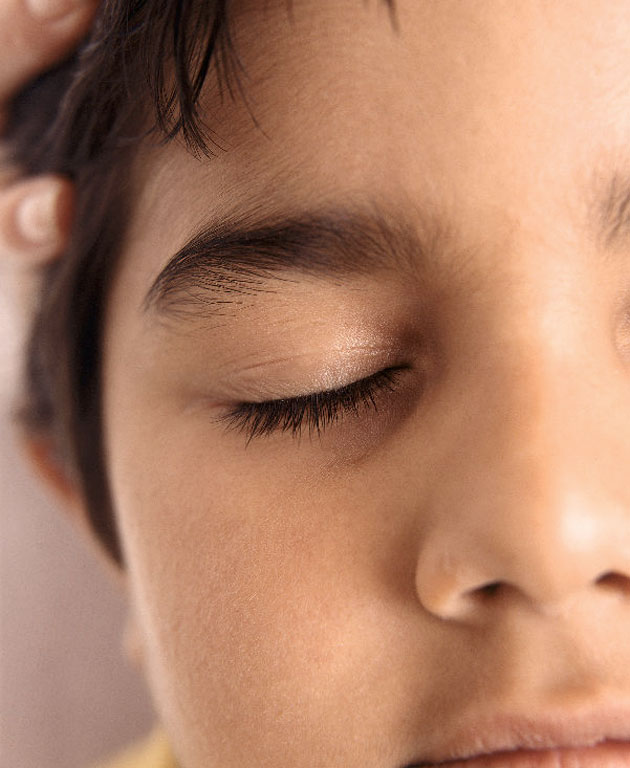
(608, 754)
(594, 740)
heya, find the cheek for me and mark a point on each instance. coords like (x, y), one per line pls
(250, 586)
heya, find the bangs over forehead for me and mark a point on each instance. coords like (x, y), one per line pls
(140, 59)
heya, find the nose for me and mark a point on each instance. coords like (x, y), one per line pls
(529, 499)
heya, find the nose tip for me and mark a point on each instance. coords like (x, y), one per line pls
(471, 563)
(528, 498)
(468, 600)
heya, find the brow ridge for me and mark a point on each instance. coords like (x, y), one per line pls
(236, 260)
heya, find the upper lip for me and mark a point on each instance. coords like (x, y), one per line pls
(511, 732)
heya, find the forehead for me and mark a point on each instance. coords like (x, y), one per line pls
(504, 117)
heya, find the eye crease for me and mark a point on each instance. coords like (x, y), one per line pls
(315, 412)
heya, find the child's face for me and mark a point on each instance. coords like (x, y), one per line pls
(452, 551)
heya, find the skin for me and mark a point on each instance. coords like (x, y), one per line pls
(325, 601)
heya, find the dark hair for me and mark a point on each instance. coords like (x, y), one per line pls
(142, 58)
(83, 119)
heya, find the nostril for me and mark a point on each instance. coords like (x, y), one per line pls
(616, 582)
(490, 590)
(486, 590)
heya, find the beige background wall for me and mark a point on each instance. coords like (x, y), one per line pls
(67, 695)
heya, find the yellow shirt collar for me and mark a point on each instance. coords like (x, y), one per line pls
(153, 752)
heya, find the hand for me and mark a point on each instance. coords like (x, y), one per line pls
(35, 214)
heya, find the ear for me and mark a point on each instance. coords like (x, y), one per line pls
(43, 459)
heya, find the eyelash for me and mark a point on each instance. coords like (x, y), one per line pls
(316, 411)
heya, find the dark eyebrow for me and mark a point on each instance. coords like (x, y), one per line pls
(225, 263)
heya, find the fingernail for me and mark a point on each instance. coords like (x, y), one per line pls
(50, 10)
(36, 216)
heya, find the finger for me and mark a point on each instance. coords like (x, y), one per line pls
(34, 34)
(35, 219)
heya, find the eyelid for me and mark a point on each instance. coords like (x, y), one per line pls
(317, 410)
(255, 378)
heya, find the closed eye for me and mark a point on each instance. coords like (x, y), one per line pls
(315, 412)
